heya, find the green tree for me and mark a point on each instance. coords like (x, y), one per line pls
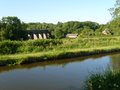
(12, 29)
(58, 33)
(114, 25)
(115, 11)
(86, 32)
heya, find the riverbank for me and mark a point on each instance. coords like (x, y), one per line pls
(66, 48)
(52, 55)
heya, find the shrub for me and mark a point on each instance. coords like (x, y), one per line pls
(9, 47)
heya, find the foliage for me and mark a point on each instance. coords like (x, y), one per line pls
(11, 47)
(35, 51)
(110, 80)
(115, 11)
(114, 25)
(87, 32)
(58, 33)
(11, 28)
(59, 30)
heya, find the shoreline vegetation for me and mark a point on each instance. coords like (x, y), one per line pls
(108, 80)
(21, 52)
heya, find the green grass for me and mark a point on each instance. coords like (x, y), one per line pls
(110, 80)
(18, 52)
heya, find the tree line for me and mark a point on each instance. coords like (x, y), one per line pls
(60, 29)
(12, 28)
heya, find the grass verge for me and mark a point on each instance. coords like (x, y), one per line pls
(14, 59)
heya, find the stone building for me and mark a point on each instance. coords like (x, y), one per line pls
(38, 34)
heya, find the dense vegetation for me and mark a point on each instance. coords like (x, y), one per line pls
(11, 28)
(59, 30)
(12, 47)
(110, 80)
(42, 50)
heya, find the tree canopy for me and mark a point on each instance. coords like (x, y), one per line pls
(114, 24)
(60, 29)
(11, 28)
(115, 11)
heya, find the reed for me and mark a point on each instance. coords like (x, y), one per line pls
(110, 80)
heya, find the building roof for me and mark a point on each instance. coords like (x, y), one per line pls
(37, 31)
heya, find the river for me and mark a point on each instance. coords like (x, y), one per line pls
(67, 74)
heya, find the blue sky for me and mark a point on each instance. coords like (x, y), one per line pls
(52, 11)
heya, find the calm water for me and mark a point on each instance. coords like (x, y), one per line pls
(68, 74)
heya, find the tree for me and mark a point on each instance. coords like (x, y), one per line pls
(114, 25)
(12, 29)
(58, 33)
(87, 32)
(115, 11)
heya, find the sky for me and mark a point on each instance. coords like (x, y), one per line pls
(53, 11)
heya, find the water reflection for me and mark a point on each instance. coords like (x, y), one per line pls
(115, 61)
(67, 74)
(62, 62)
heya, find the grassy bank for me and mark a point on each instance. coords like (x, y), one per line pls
(19, 52)
(110, 80)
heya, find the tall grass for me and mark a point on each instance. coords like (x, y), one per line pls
(110, 80)
(17, 52)
(12, 47)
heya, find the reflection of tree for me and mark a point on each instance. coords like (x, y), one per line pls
(115, 61)
(62, 63)
(71, 88)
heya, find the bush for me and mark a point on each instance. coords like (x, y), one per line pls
(9, 47)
